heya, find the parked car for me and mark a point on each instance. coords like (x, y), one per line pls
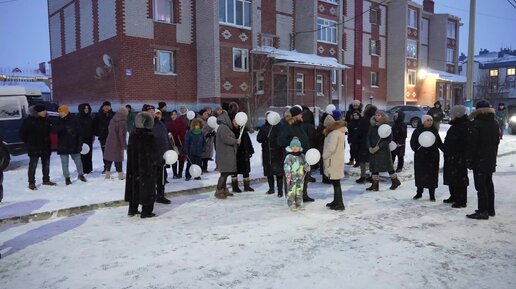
(413, 113)
(512, 119)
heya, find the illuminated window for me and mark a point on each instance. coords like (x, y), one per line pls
(511, 71)
(493, 72)
(411, 49)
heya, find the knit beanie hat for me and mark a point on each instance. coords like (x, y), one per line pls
(337, 114)
(106, 103)
(147, 107)
(457, 111)
(483, 103)
(161, 105)
(295, 143)
(426, 117)
(64, 109)
(39, 108)
(295, 111)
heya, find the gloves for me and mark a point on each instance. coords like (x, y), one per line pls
(374, 149)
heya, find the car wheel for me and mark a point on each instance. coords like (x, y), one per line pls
(415, 122)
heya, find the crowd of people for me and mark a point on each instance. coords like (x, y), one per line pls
(471, 143)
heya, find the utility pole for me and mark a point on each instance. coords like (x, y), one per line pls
(471, 54)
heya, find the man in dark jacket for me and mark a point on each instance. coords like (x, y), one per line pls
(272, 156)
(101, 125)
(162, 144)
(457, 154)
(4, 162)
(399, 136)
(88, 135)
(485, 140)
(35, 133)
(69, 142)
(355, 105)
(363, 150)
(437, 114)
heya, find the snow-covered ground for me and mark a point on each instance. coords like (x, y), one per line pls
(382, 240)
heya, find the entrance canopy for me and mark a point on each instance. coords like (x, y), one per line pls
(446, 76)
(294, 58)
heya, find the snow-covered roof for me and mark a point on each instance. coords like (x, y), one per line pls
(34, 85)
(492, 59)
(446, 76)
(302, 59)
(18, 90)
(22, 72)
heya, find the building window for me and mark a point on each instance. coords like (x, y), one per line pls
(412, 18)
(334, 77)
(319, 85)
(493, 72)
(374, 79)
(373, 47)
(450, 53)
(235, 12)
(164, 62)
(259, 82)
(332, 1)
(267, 41)
(411, 75)
(374, 16)
(300, 83)
(240, 59)
(163, 11)
(326, 30)
(424, 31)
(511, 71)
(411, 49)
(450, 30)
(10, 108)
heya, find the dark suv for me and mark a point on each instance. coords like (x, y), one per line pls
(413, 113)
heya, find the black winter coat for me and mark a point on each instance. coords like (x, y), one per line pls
(35, 133)
(289, 131)
(161, 140)
(363, 129)
(101, 124)
(86, 123)
(5, 157)
(69, 135)
(309, 128)
(380, 161)
(426, 160)
(140, 183)
(457, 152)
(353, 131)
(436, 113)
(399, 129)
(485, 140)
(244, 152)
(272, 153)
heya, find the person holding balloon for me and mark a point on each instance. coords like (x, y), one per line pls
(194, 146)
(88, 136)
(177, 129)
(209, 135)
(161, 145)
(399, 137)
(272, 153)
(363, 148)
(226, 144)
(425, 142)
(380, 160)
(244, 153)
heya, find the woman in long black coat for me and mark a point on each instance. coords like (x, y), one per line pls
(272, 156)
(457, 153)
(399, 136)
(244, 153)
(363, 147)
(426, 160)
(140, 184)
(88, 135)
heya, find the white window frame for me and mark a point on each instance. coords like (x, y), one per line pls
(411, 77)
(300, 79)
(450, 55)
(326, 30)
(375, 42)
(157, 13)
(450, 29)
(158, 65)
(245, 13)
(319, 84)
(412, 18)
(415, 52)
(334, 76)
(245, 59)
(375, 73)
(267, 40)
(260, 82)
(374, 16)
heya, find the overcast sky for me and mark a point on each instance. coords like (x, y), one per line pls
(24, 39)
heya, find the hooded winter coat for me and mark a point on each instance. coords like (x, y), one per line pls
(380, 161)
(140, 183)
(426, 160)
(101, 124)
(209, 136)
(244, 152)
(352, 109)
(195, 141)
(272, 153)
(86, 122)
(333, 152)
(226, 144)
(436, 112)
(291, 129)
(116, 139)
(35, 133)
(457, 152)
(485, 140)
(399, 129)
(69, 135)
(363, 129)
(309, 127)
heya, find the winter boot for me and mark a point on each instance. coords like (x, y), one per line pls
(147, 211)
(68, 181)
(338, 204)
(234, 185)
(270, 180)
(121, 176)
(219, 194)
(361, 180)
(325, 180)
(32, 186)
(395, 182)
(247, 187)
(478, 215)
(82, 178)
(280, 184)
(49, 183)
(419, 194)
(133, 209)
(432, 195)
(374, 186)
(311, 179)
(450, 200)
(108, 175)
(228, 193)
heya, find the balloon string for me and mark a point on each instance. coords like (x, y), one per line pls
(241, 132)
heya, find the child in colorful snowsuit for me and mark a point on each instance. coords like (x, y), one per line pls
(295, 167)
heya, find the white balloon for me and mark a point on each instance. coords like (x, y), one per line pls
(426, 139)
(312, 156)
(85, 149)
(384, 130)
(273, 118)
(170, 157)
(190, 115)
(330, 108)
(212, 122)
(241, 118)
(195, 171)
(392, 146)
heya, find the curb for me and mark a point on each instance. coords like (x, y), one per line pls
(66, 212)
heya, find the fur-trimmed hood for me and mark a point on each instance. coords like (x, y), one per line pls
(144, 120)
(224, 119)
(385, 119)
(369, 111)
(340, 124)
(197, 121)
(482, 112)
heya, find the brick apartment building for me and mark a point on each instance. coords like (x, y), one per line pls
(260, 53)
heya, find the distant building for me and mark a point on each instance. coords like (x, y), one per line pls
(39, 79)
